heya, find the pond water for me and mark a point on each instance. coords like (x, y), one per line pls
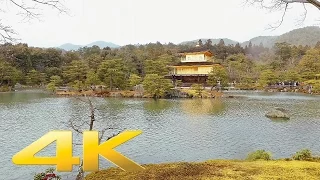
(173, 130)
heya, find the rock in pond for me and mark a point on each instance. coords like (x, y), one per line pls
(278, 113)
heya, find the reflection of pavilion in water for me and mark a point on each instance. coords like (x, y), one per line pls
(202, 106)
(157, 106)
(188, 106)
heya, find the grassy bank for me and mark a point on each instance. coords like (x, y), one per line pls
(218, 169)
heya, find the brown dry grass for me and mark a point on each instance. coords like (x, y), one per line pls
(217, 170)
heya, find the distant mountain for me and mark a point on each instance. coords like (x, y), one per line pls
(214, 41)
(303, 36)
(101, 44)
(267, 41)
(69, 47)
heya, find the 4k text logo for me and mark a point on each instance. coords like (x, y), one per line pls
(91, 151)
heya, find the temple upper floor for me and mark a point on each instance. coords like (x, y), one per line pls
(203, 56)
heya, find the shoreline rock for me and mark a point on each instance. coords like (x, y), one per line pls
(278, 113)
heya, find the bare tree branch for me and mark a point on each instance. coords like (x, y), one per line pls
(30, 10)
(283, 5)
(316, 3)
(102, 132)
(303, 16)
(77, 128)
(279, 3)
(80, 175)
(92, 109)
(6, 33)
(282, 18)
(77, 144)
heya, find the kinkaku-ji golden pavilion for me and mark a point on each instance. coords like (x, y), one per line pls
(193, 68)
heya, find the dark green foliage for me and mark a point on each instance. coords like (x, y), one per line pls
(53, 71)
(303, 155)
(291, 76)
(92, 78)
(268, 77)
(113, 67)
(114, 73)
(208, 43)
(134, 80)
(309, 66)
(55, 81)
(35, 78)
(77, 85)
(198, 88)
(159, 66)
(94, 61)
(76, 70)
(283, 50)
(217, 75)
(156, 85)
(259, 155)
(239, 67)
(9, 75)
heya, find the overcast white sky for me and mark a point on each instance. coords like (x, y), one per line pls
(143, 21)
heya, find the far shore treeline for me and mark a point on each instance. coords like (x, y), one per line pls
(125, 67)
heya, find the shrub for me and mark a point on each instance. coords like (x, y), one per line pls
(198, 88)
(5, 88)
(287, 159)
(48, 174)
(259, 155)
(302, 155)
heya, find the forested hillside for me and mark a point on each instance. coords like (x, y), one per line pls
(308, 36)
(127, 66)
(303, 36)
(267, 41)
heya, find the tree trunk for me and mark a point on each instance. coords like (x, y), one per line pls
(110, 82)
(91, 116)
(80, 175)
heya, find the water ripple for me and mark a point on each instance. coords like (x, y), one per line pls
(173, 130)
